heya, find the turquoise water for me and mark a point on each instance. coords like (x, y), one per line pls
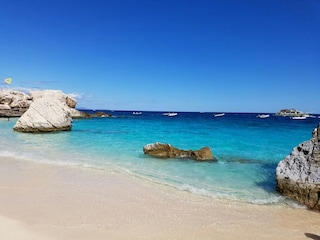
(248, 149)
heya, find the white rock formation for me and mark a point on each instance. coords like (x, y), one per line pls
(13, 103)
(45, 114)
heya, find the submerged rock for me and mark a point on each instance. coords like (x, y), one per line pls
(298, 175)
(162, 150)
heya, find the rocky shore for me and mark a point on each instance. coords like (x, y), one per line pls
(298, 175)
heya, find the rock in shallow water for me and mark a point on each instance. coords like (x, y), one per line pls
(298, 175)
(162, 150)
(45, 114)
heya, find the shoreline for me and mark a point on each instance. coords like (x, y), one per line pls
(43, 201)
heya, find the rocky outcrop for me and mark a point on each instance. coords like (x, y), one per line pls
(75, 114)
(46, 114)
(162, 150)
(101, 114)
(298, 175)
(50, 110)
(13, 103)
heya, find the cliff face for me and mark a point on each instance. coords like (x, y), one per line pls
(298, 175)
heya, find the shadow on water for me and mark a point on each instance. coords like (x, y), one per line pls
(92, 131)
(241, 160)
(312, 236)
(269, 172)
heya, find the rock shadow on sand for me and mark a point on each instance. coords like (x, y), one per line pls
(312, 236)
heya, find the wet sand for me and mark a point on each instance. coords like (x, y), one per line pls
(42, 201)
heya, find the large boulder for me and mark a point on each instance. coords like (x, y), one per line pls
(45, 114)
(298, 175)
(13, 103)
(162, 150)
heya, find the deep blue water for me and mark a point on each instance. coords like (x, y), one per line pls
(248, 149)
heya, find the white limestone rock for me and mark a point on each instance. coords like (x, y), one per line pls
(298, 175)
(13, 103)
(5, 107)
(45, 114)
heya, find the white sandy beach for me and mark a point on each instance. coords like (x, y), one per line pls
(42, 201)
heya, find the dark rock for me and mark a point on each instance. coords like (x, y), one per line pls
(101, 114)
(162, 150)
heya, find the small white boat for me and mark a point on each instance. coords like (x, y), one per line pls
(172, 114)
(136, 113)
(263, 115)
(219, 114)
(299, 117)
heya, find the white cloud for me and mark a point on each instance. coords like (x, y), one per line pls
(75, 95)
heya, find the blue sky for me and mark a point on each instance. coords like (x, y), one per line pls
(168, 55)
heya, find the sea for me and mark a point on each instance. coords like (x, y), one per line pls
(247, 149)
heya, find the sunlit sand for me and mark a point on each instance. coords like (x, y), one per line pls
(42, 201)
